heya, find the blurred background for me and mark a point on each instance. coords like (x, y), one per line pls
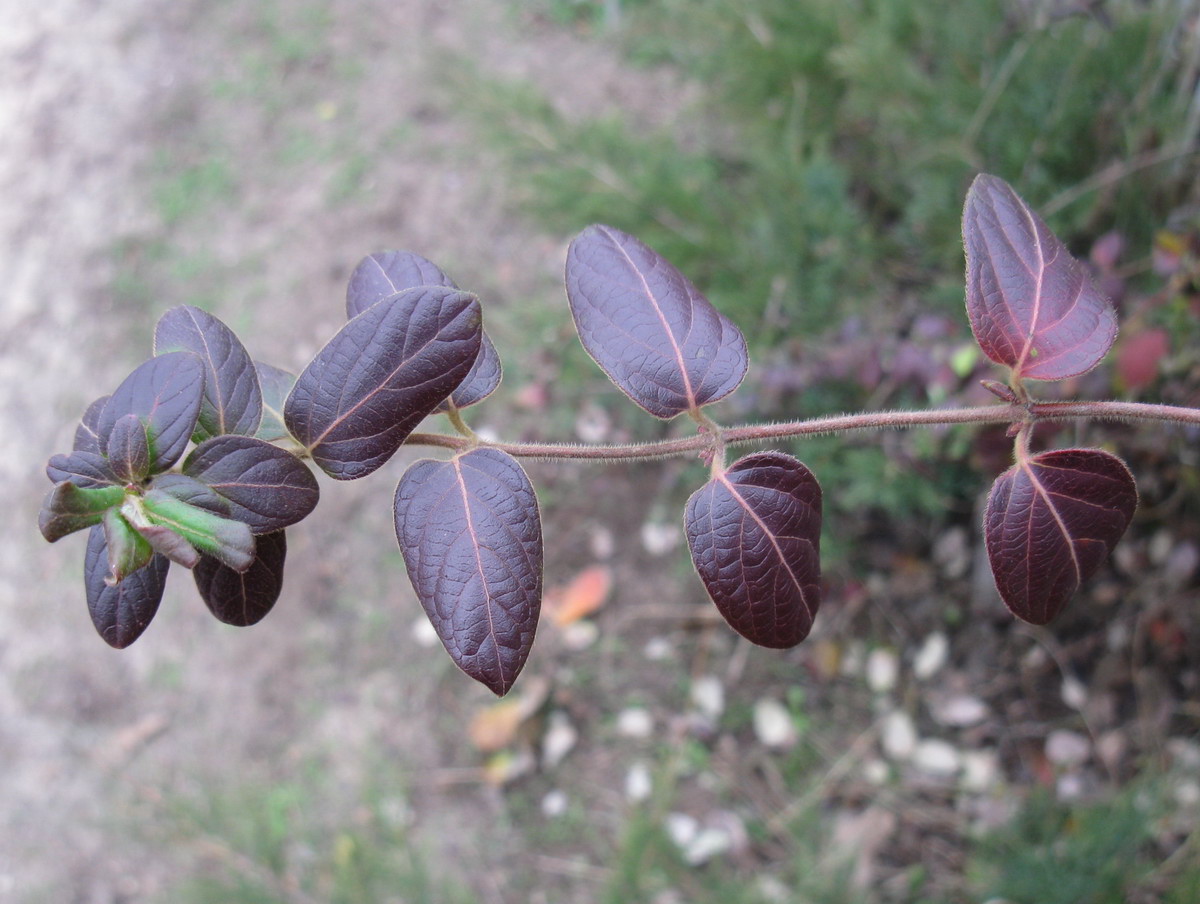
(805, 163)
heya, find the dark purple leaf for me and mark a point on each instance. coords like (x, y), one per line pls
(1051, 520)
(87, 439)
(165, 393)
(471, 536)
(379, 275)
(658, 339)
(224, 539)
(192, 491)
(266, 487)
(232, 398)
(755, 536)
(82, 468)
(127, 549)
(383, 372)
(122, 611)
(68, 508)
(275, 383)
(1032, 306)
(244, 599)
(129, 449)
(481, 381)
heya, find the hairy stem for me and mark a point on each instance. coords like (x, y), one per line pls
(842, 423)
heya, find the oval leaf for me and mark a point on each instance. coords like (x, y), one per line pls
(232, 397)
(658, 339)
(266, 487)
(379, 275)
(1051, 520)
(481, 381)
(165, 393)
(82, 468)
(127, 549)
(222, 538)
(122, 611)
(275, 383)
(471, 536)
(129, 449)
(87, 436)
(383, 372)
(244, 599)
(1032, 306)
(68, 508)
(755, 535)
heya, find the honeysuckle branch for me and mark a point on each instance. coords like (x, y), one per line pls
(842, 423)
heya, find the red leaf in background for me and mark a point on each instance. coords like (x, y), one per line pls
(1032, 306)
(1139, 357)
(1051, 520)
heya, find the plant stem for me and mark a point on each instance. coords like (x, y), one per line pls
(842, 423)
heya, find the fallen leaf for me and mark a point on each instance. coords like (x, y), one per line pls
(586, 593)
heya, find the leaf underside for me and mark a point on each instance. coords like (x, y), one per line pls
(244, 599)
(1032, 306)
(165, 393)
(87, 436)
(382, 373)
(754, 533)
(232, 398)
(1051, 521)
(471, 536)
(655, 336)
(380, 275)
(83, 468)
(121, 612)
(68, 508)
(265, 486)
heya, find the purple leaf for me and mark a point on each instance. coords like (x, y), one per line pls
(165, 393)
(265, 486)
(1051, 520)
(121, 611)
(129, 449)
(382, 373)
(244, 599)
(755, 536)
(192, 491)
(87, 439)
(658, 339)
(379, 275)
(82, 468)
(1032, 306)
(275, 383)
(471, 536)
(232, 398)
(68, 508)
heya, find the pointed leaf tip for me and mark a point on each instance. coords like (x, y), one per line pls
(471, 536)
(1032, 306)
(655, 336)
(755, 534)
(1051, 521)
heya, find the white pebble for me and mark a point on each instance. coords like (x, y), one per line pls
(660, 539)
(935, 757)
(959, 711)
(657, 649)
(559, 739)
(708, 843)
(882, 667)
(980, 770)
(635, 722)
(1074, 694)
(876, 771)
(681, 829)
(554, 804)
(708, 696)
(773, 724)
(898, 735)
(423, 632)
(932, 656)
(638, 783)
(1067, 748)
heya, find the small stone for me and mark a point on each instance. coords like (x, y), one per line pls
(959, 711)
(1187, 793)
(660, 539)
(1160, 547)
(1111, 749)
(1067, 748)
(1074, 694)
(1185, 753)
(876, 771)
(710, 842)
(772, 890)
(424, 633)
(932, 656)
(635, 722)
(657, 649)
(602, 542)
(980, 770)
(935, 757)
(898, 735)
(852, 659)
(638, 783)
(952, 551)
(773, 724)
(554, 804)
(882, 668)
(708, 696)
(681, 829)
(1070, 786)
(559, 739)
(579, 635)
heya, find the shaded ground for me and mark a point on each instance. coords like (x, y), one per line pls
(243, 157)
